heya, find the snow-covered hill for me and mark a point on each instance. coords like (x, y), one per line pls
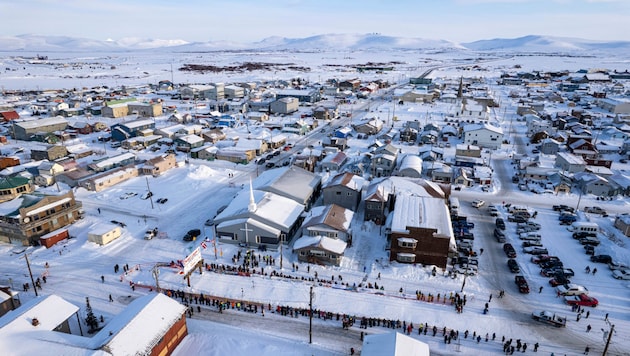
(326, 42)
(546, 44)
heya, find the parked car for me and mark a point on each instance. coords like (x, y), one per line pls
(592, 241)
(621, 274)
(192, 235)
(583, 234)
(529, 224)
(499, 235)
(509, 250)
(589, 250)
(517, 218)
(535, 250)
(513, 266)
(521, 283)
(571, 289)
(601, 259)
(544, 258)
(478, 203)
(470, 270)
(150, 234)
(533, 243)
(567, 218)
(563, 208)
(616, 265)
(500, 223)
(558, 280)
(581, 300)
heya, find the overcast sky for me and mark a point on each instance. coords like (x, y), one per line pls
(254, 20)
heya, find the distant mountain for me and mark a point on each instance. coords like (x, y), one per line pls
(327, 42)
(546, 44)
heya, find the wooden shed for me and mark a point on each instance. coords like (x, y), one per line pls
(103, 234)
(53, 237)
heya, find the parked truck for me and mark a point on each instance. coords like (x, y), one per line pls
(550, 318)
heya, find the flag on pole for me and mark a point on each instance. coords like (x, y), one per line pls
(203, 244)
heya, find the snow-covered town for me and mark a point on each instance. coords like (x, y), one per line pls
(412, 202)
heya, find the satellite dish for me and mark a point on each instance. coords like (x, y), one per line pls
(27, 219)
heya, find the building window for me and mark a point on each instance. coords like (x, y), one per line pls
(407, 243)
(406, 257)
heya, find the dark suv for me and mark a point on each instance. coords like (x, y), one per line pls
(513, 266)
(192, 235)
(601, 258)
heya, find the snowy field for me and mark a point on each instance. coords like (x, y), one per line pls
(197, 189)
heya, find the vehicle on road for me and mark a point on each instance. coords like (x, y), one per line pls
(150, 234)
(595, 210)
(192, 235)
(521, 283)
(583, 300)
(550, 318)
(571, 289)
(513, 266)
(478, 203)
(499, 235)
(563, 208)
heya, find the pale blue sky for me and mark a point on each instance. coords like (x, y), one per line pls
(254, 20)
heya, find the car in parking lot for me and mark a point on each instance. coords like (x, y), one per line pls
(534, 226)
(468, 269)
(521, 283)
(535, 250)
(583, 300)
(592, 241)
(545, 258)
(261, 161)
(532, 243)
(559, 279)
(499, 235)
(589, 250)
(162, 200)
(563, 207)
(500, 223)
(621, 274)
(571, 289)
(513, 266)
(601, 258)
(270, 165)
(509, 250)
(517, 218)
(583, 234)
(617, 265)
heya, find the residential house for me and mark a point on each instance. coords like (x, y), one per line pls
(13, 187)
(333, 162)
(234, 92)
(9, 300)
(8, 162)
(421, 231)
(284, 106)
(590, 183)
(235, 154)
(109, 178)
(441, 173)
(49, 152)
(463, 176)
(614, 105)
(30, 216)
(325, 234)
(258, 116)
(158, 165)
(29, 130)
(303, 95)
(151, 109)
(108, 163)
(569, 162)
(188, 142)
(383, 161)
(371, 127)
(549, 146)
(463, 150)
(117, 108)
(483, 135)
(344, 190)
(350, 84)
(126, 130)
(7, 116)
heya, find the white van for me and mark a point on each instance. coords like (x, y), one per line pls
(453, 202)
(583, 226)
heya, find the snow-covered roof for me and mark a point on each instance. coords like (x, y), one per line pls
(42, 122)
(101, 229)
(476, 127)
(323, 242)
(393, 344)
(422, 212)
(138, 123)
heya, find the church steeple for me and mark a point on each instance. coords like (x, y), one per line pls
(252, 203)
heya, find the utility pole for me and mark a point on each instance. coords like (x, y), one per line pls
(156, 275)
(28, 265)
(150, 194)
(280, 254)
(310, 318)
(612, 329)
